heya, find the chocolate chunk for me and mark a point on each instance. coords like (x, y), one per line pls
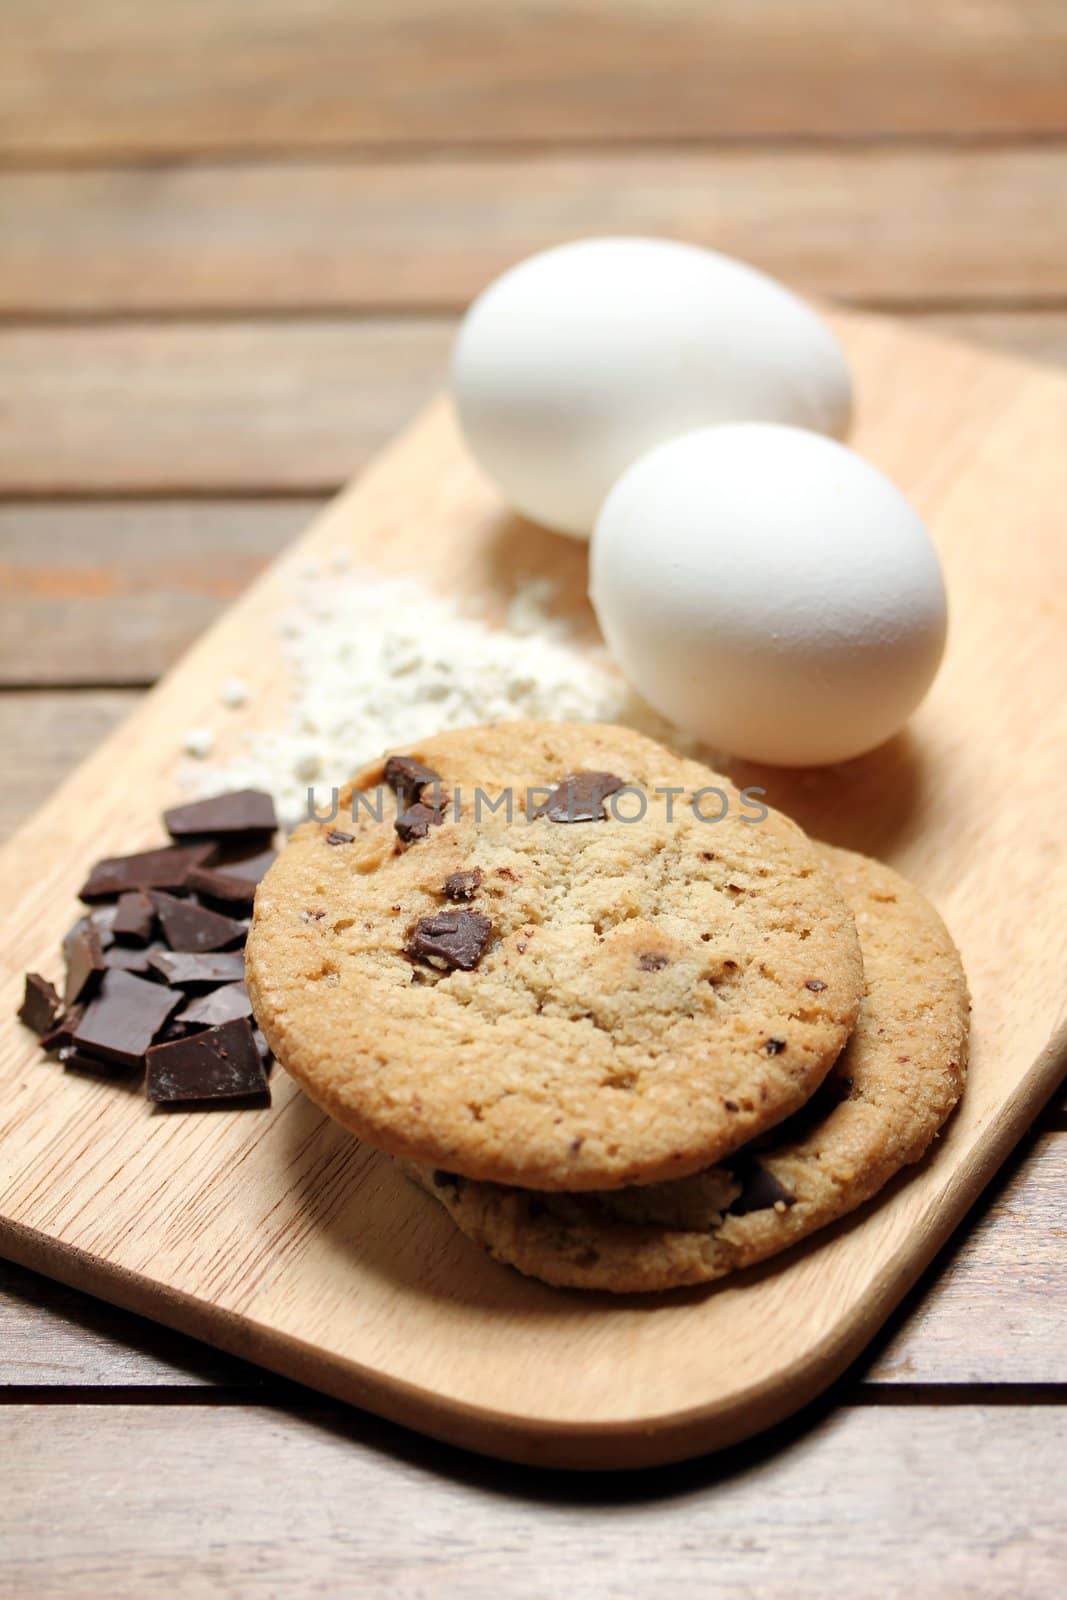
(653, 961)
(217, 1065)
(816, 985)
(85, 961)
(168, 868)
(125, 1017)
(450, 939)
(193, 971)
(760, 1190)
(74, 1060)
(773, 1047)
(221, 1005)
(580, 797)
(243, 811)
(189, 926)
(61, 1036)
(416, 822)
(462, 885)
(102, 919)
(40, 1008)
(133, 958)
(233, 877)
(134, 918)
(337, 837)
(408, 777)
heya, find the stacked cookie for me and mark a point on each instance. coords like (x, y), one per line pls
(630, 1028)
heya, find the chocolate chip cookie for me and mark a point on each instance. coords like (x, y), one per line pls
(557, 955)
(892, 1088)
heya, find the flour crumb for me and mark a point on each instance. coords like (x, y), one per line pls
(376, 662)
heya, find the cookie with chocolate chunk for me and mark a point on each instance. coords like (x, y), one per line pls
(892, 1088)
(573, 979)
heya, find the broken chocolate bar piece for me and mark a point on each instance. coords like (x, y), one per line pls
(189, 926)
(580, 797)
(191, 970)
(41, 1007)
(61, 1035)
(233, 878)
(416, 822)
(221, 1005)
(120, 1024)
(407, 778)
(168, 868)
(74, 1060)
(217, 1065)
(133, 958)
(133, 918)
(85, 961)
(450, 939)
(242, 811)
(760, 1190)
(462, 885)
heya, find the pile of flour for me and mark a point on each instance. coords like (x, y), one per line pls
(380, 662)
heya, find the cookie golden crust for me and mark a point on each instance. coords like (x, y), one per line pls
(641, 997)
(897, 1080)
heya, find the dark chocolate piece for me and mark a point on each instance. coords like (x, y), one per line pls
(462, 885)
(450, 939)
(580, 797)
(75, 1060)
(221, 1005)
(134, 918)
(219, 1064)
(773, 1047)
(242, 811)
(335, 836)
(168, 868)
(233, 877)
(85, 961)
(103, 920)
(41, 1007)
(61, 1036)
(760, 1190)
(134, 958)
(125, 1017)
(416, 822)
(189, 926)
(407, 778)
(185, 970)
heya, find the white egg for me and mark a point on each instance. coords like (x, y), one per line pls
(579, 360)
(770, 592)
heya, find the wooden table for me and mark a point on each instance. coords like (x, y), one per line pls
(236, 240)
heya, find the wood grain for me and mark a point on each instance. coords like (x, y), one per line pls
(959, 1327)
(902, 224)
(282, 406)
(113, 593)
(44, 737)
(888, 1502)
(286, 1242)
(188, 76)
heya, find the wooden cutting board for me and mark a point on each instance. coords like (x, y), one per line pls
(280, 1238)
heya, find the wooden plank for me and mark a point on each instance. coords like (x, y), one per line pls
(113, 593)
(282, 1241)
(209, 74)
(45, 736)
(253, 407)
(960, 1327)
(241, 406)
(924, 1502)
(890, 223)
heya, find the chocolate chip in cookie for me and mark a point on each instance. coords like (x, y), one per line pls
(450, 939)
(416, 822)
(408, 777)
(462, 885)
(580, 797)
